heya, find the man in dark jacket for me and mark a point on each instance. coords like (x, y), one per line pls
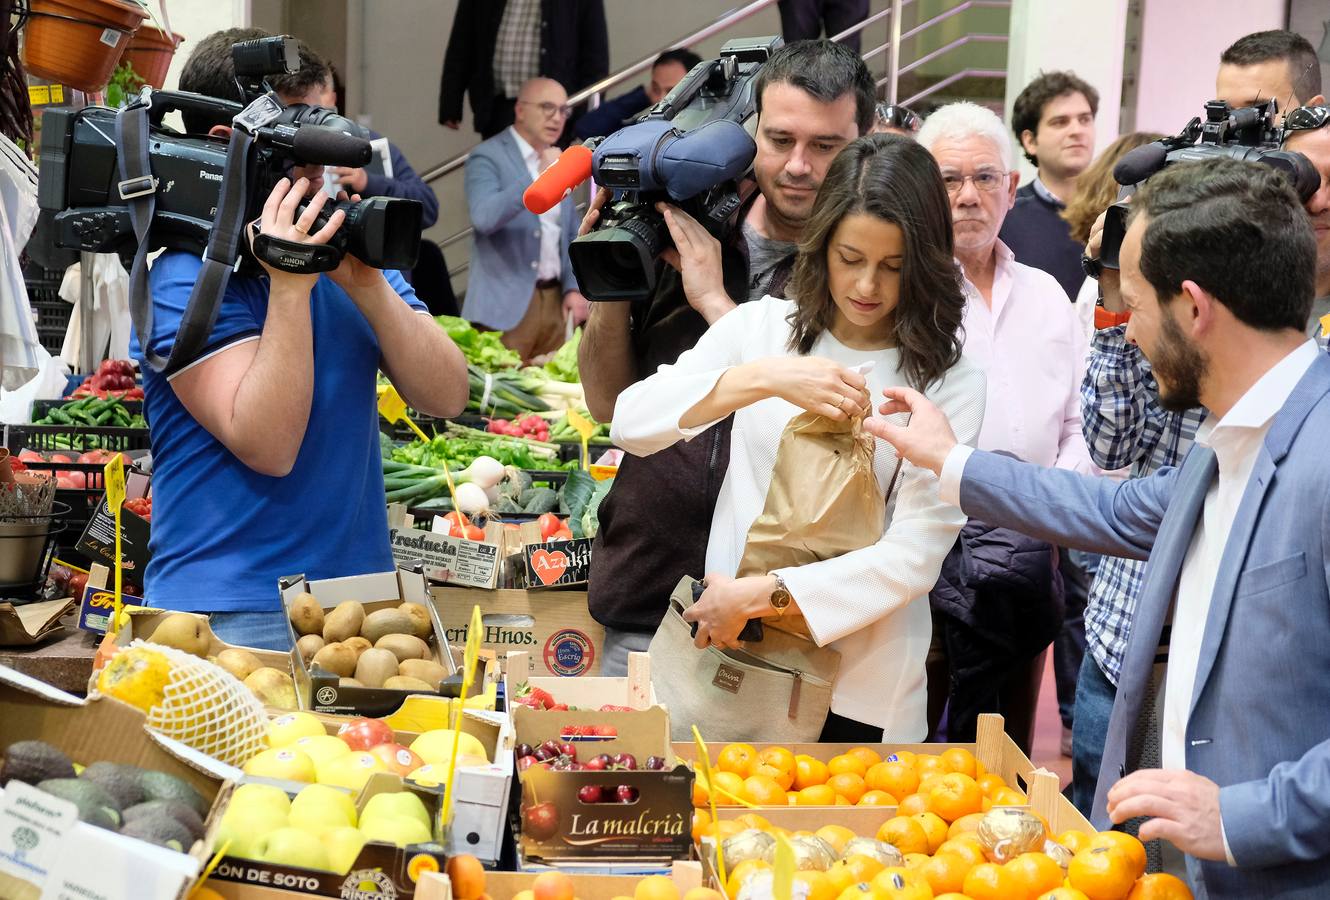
(496, 46)
(667, 71)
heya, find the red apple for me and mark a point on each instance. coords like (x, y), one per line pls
(397, 758)
(541, 821)
(362, 733)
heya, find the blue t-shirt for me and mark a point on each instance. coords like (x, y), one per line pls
(222, 534)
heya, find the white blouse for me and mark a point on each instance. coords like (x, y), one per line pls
(870, 604)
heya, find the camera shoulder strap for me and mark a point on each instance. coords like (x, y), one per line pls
(138, 188)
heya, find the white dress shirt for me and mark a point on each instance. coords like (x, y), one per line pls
(550, 263)
(870, 604)
(1033, 350)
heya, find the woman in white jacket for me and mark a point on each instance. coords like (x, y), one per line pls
(875, 282)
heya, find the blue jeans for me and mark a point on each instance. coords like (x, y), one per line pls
(618, 644)
(1094, 706)
(261, 630)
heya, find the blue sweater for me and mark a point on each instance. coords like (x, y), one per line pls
(1039, 237)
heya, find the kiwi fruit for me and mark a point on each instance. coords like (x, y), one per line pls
(385, 621)
(306, 614)
(239, 662)
(349, 682)
(403, 646)
(427, 670)
(375, 666)
(358, 644)
(336, 658)
(308, 645)
(421, 626)
(403, 683)
(343, 622)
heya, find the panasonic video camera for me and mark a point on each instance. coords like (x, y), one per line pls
(1246, 133)
(80, 180)
(690, 149)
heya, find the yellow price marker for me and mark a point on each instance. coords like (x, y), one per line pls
(1325, 325)
(212, 864)
(782, 880)
(393, 408)
(704, 760)
(114, 474)
(585, 427)
(469, 656)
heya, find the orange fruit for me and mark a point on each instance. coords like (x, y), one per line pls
(819, 885)
(809, 772)
(552, 886)
(701, 819)
(866, 755)
(863, 868)
(744, 870)
(1102, 873)
(701, 795)
(721, 830)
(956, 795)
(1128, 844)
(958, 759)
(1160, 886)
(782, 777)
(763, 791)
(912, 804)
(836, 835)
(467, 876)
(989, 783)
(980, 770)
(934, 828)
(1008, 797)
(946, 872)
(656, 887)
(737, 758)
(989, 881)
(905, 834)
(857, 892)
(951, 895)
(840, 875)
(927, 764)
(896, 778)
(728, 786)
(841, 801)
(914, 860)
(703, 893)
(899, 883)
(792, 797)
(1035, 873)
(1074, 840)
(876, 798)
(1063, 893)
(969, 850)
(965, 824)
(847, 785)
(777, 758)
(904, 756)
(817, 795)
(846, 763)
(753, 820)
(928, 782)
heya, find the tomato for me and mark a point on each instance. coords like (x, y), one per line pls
(77, 582)
(474, 533)
(549, 523)
(563, 534)
(456, 523)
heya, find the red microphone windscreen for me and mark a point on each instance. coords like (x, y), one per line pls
(570, 170)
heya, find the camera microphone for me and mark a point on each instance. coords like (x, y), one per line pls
(319, 145)
(1139, 164)
(571, 169)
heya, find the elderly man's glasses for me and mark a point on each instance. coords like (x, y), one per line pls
(550, 110)
(983, 181)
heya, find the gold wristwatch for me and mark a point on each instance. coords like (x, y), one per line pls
(780, 597)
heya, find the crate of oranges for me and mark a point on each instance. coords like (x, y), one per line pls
(462, 882)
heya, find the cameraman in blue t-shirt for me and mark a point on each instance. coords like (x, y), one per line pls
(266, 449)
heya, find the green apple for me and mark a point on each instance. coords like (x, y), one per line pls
(350, 771)
(285, 730)
(402, 804)
(399, 830)
(322, 747)
(294, 847)
(246, 826)
(320, 807)
(343, 844)
(287, 763)
(251, 795)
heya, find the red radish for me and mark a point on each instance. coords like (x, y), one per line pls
(31, 456)
(60, 458)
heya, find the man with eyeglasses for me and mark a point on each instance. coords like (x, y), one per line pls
(521, 282)
(1021, 330)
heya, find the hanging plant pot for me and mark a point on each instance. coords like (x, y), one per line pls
(150, 52)
(79, 42)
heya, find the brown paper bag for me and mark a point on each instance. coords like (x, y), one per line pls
(824, 501)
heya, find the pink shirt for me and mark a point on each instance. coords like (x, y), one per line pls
(1033, 350)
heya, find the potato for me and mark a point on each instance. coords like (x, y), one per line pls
(421, 626)
(336, 658)
(385, 621)
(427, 670)
(306, 614)
(404, 646)
(308, 645)
(375, 667)
(403, 683)
(343, 622)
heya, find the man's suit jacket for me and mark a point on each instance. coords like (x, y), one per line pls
(505, 249)
(1260, 716)
(574, 51)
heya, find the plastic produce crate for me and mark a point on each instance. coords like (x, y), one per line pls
(50, 314)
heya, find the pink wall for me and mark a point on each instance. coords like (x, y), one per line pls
(1180, 45)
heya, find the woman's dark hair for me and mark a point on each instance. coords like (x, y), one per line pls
(896, 180)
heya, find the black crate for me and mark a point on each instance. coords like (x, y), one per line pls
(52, 320)
(74, 438)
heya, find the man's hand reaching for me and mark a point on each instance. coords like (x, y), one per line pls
(926, 440)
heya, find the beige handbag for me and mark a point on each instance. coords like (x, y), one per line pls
(782, 695)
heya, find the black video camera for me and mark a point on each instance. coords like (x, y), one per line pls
(1246, 133)
(690, 149)
(81, 173)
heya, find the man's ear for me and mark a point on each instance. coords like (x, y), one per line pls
(1013, 186)
(1198, 310)
(220, 131)
(1028, 141)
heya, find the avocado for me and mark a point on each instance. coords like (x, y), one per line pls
(119, 780)
(160, 786)
(95, 806)
(181, 812)
(34, 761)
(156, 827)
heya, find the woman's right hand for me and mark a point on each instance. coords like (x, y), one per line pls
(816, 384)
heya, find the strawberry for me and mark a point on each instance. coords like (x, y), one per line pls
(525, 693)
(610, 707)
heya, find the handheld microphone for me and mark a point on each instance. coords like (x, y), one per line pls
(1139, 164)
(570, 170)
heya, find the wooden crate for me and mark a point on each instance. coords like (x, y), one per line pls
(687, 874)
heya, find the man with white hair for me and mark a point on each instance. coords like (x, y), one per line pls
(1020, 329)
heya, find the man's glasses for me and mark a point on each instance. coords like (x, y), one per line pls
(1307, 118)
(901, 117)
(983, 181)
(550, 110)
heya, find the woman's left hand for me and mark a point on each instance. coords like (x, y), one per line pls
(725, 608)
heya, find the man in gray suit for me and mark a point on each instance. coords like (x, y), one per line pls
(521, 282)
(1220, 737)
